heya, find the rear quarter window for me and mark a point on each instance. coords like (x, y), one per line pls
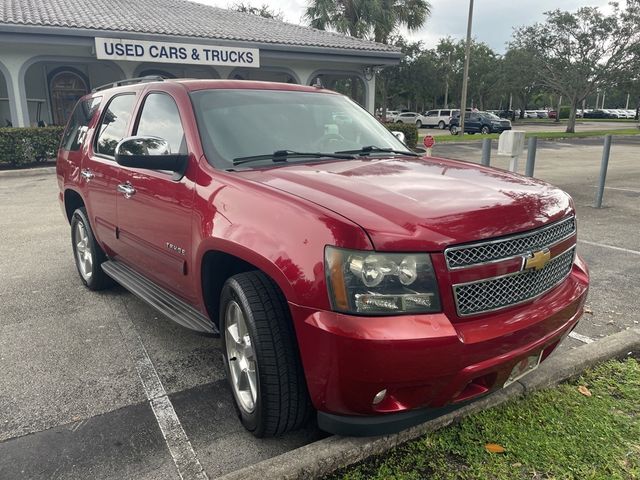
(76, 131)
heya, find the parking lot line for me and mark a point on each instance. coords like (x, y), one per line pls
(633, 190)
(611, 247)
(182, 452)
(581, 338)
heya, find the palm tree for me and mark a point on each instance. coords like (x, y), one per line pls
(375, 19)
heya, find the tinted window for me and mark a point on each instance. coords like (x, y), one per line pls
(79, 123)
(160, 118)
(433, 113)
(113, 126)
(445, 112)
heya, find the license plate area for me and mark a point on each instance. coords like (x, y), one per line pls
(523, 367)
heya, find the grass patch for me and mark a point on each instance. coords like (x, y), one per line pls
(541, 135)
(553, 434)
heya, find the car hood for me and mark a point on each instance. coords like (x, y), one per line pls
(423, 204)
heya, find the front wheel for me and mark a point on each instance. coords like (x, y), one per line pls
(441, 125)
(418, 124)
(87, 253)
(261, 356)
(454, 129)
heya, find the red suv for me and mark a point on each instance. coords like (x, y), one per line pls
(347, 274)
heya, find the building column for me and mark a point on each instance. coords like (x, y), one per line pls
(16, 90)
(370, 99)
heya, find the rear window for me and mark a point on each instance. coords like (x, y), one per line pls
(445, 112)
(78, 125)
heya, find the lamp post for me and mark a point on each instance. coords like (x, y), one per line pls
(467, 54)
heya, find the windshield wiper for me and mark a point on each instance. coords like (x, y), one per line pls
(283, 155)
(373, 149)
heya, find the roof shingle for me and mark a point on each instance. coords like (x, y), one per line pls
(174, 17)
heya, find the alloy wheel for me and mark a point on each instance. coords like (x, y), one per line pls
(241, 358)
(83, 251)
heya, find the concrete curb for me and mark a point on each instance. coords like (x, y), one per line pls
(327, 455)
(27, 172)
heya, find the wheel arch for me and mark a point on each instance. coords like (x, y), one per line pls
(221, 262)
(72, 201)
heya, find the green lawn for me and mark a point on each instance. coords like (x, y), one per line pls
(541, 135)
(554, 434)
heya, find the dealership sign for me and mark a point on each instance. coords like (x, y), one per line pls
(168, 52)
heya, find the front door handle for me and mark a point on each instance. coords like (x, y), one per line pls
(127, 190)
(87, 174)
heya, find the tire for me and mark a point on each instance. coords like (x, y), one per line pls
(398, 121)
(441, 125)
(86, 251)
(418, 124)
(485, 130)
(279, 400)
(454, 129)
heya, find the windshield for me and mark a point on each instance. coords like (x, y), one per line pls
(242, 123)
(493, 116)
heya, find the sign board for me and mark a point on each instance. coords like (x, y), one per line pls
(169, 52)
(429, 141)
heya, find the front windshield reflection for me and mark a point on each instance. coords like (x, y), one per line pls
(242, 123)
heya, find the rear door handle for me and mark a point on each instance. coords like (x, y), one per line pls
(87, 174)
(127, 190)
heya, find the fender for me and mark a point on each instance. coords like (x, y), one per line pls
(280, 234)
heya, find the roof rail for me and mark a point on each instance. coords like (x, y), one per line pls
(129, 81)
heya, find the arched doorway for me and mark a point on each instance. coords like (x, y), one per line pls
(66, 86)
(348, 84)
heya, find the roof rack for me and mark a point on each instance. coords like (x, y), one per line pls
(129, 81)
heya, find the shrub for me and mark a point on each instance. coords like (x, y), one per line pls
(20, 146)
(410, 132)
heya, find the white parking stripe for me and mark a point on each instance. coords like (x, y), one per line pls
(620, 249)
(621, 189)
(183, 454)
(582, 338)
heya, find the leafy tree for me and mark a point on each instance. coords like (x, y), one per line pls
(378, 20)
(578, 52)
(263, 11)
(520, 73)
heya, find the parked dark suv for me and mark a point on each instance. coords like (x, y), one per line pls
(347, 275)
(479, 122)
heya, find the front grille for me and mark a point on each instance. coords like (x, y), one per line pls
(512, 289)
(506, 247)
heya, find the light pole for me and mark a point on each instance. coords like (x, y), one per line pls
(467, 54)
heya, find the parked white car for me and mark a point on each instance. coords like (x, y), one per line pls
(437, 118)
(410, 117)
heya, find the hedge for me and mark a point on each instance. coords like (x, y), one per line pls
(410, 132)
(20, 146)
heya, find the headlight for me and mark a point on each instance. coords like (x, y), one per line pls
(371, 283)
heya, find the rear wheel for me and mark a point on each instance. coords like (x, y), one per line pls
(261, 356)
(87, 253)
(441, 125)
(454, 129)
(418, 124)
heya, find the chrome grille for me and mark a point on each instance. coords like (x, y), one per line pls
(507, 247)
(499, 292)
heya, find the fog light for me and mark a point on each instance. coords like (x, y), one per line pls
(379, 396)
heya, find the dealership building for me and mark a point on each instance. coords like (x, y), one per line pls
(54, 51)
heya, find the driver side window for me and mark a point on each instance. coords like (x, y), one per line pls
(160, 118)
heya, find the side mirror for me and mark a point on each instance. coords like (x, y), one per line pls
(399, 136)
(151, 153)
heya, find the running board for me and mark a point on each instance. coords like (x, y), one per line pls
(159, 298)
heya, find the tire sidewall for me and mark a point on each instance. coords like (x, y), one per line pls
(485, 130)
(232, 291)
(441, 125)
(80, 216)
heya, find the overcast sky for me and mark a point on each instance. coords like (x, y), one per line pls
(493, 20)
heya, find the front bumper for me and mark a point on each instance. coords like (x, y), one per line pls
(425, 362)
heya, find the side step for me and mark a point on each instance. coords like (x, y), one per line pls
(163, 301)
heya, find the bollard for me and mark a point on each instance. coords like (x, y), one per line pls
(486, 152)
(531, 156)
(603, 171)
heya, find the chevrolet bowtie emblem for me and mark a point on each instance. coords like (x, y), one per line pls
(538, 260)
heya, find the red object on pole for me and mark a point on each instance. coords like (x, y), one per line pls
(429, 141)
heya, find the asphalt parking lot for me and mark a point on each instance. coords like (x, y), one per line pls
(72, 404)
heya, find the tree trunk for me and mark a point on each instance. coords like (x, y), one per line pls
(558, 110)
(446, 94)
(571, 125)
